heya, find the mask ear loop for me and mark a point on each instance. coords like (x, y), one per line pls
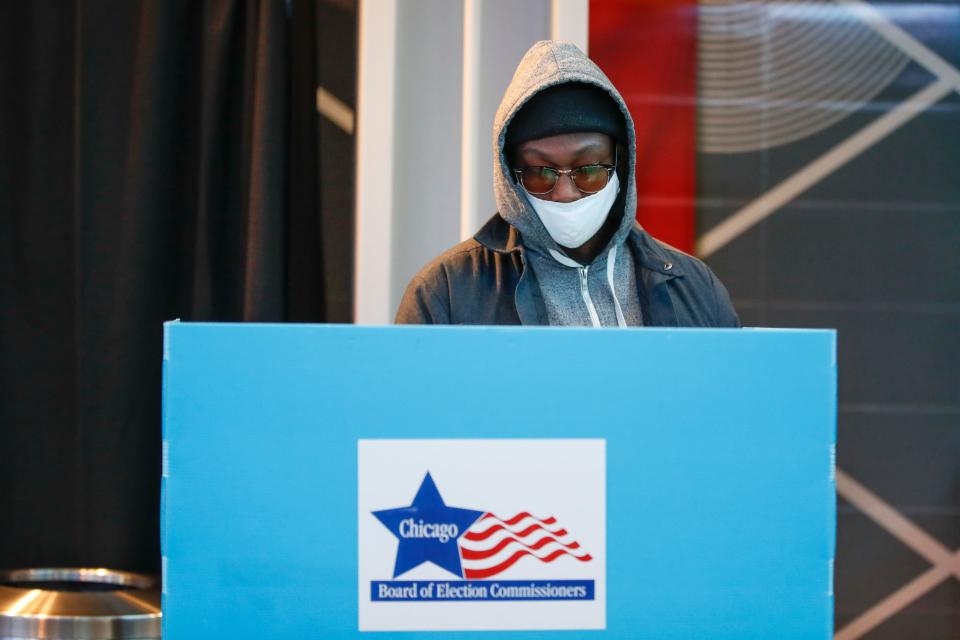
(616, 163)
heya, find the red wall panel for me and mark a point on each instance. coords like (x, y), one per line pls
(648, 48)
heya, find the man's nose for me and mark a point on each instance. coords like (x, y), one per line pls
(565, 190)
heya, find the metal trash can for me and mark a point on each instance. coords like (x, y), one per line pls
(75, 604)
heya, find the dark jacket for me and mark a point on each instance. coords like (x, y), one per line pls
(484, 281)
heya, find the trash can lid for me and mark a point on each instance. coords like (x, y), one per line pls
(75, 604)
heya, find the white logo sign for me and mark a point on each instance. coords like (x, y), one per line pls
(458, 535)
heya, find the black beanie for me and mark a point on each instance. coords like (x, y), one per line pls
(572, 107)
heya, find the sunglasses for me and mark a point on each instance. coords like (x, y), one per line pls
(588, 178)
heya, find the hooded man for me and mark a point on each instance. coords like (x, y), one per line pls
(564, 248)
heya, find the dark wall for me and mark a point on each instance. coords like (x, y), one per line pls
(873, 249)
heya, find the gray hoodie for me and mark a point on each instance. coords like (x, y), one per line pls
(604, 292)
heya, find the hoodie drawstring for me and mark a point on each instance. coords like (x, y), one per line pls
(611, 264)
(611, 261)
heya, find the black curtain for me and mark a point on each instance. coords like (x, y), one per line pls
(146, 154)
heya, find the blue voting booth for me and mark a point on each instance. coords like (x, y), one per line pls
(330, 481)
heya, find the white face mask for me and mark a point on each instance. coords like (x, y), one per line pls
(571, 224)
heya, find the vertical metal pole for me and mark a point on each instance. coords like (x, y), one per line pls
(570, 21)
(470, 138)
(375, 161)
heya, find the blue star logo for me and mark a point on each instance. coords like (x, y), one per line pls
(428, 530)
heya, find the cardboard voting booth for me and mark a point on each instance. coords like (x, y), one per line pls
(333, 481)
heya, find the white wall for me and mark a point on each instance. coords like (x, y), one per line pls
(427, 142)
(506, 30)
(431, 76)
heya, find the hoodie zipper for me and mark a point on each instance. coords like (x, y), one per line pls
(585, 292)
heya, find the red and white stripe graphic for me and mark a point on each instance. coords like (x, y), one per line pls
(493, 545)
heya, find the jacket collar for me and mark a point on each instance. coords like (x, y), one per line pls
(500, 236)
(652, 254)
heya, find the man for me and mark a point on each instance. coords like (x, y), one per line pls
(564, 248)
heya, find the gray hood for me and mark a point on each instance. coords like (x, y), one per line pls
(546, 64)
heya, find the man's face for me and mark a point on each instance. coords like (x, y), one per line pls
(564, 151)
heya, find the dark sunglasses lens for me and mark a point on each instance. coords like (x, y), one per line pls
(539, 179)
(591, 178)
